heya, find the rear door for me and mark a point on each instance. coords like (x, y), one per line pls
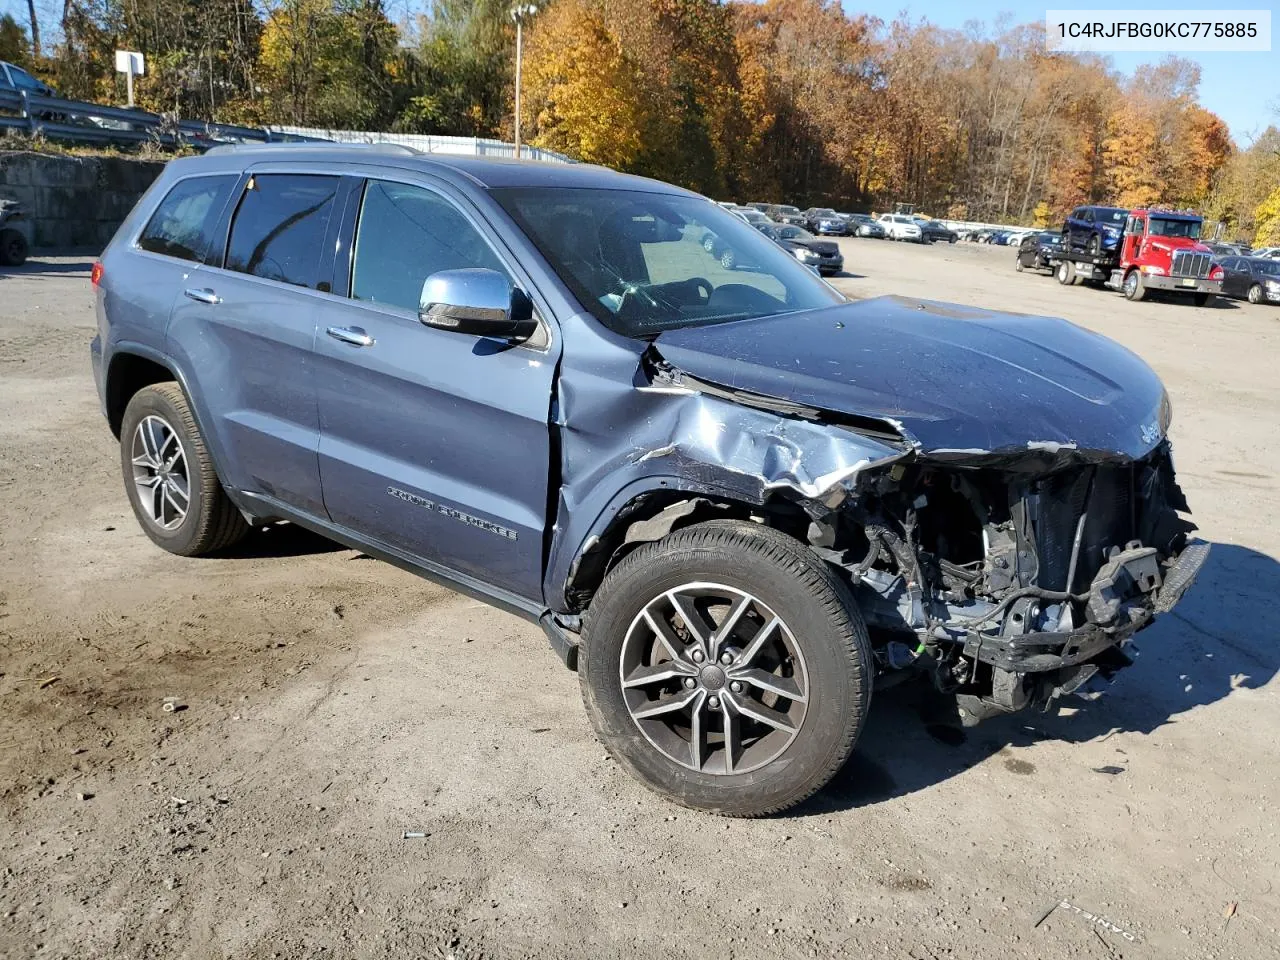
(434, 443)
(245, 327)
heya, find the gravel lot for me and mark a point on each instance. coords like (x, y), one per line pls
(333, 702)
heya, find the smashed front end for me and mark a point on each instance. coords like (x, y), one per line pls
(1010, 579)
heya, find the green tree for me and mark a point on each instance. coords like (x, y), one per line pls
(13, 42)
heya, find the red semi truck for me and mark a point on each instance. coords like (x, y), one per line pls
(1159, 250)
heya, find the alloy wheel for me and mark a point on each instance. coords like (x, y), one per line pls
(714, 679)
(160, 472)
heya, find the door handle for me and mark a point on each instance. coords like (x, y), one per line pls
(202, 295)
(352, 335)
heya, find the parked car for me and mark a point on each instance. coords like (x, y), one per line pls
(532, 383)
(1094, 230)
(1037, 251)
(899, 226)
(825, 222)
(931, 231)
(752, 217)
(823, 255)
(13, 77)
(784, 213)
(1267, 252)
(1256, 279)
(1220, 250)
(15, 234)
(760, 207)
(865, 225)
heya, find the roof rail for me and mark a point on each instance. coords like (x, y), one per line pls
(380, 147)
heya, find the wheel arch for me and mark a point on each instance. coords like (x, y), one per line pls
(129, 371)
(655, 511)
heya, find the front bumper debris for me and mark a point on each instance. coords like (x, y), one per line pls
(1125, 596)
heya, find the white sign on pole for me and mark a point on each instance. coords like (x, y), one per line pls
(131, 64)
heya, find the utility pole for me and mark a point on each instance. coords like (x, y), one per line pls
(35, 28)
(519, 14)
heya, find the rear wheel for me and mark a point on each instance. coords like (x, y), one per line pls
(728, 259)
(1255, 293)
(1095, 245)
(1066, 273)
(13, 248)
(726, 668)
(1134, 289)
(169, 476)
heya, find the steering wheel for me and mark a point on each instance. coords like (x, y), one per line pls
(702, 286)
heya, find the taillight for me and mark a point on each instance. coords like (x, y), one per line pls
(95, 275)
(1216, 273)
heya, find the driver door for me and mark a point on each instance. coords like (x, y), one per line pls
(434, 443)
(1134, 230)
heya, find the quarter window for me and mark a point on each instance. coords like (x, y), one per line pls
(182, 225)
(279, 228)
(405, 235)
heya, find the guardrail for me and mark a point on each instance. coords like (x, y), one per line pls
(56, 118)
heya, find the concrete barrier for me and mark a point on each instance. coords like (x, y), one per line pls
(74, 203)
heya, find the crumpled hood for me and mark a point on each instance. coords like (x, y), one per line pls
(952, 379)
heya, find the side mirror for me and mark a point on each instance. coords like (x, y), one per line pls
(479, 302)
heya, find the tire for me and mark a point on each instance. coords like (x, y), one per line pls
(1066, 272)
(1134, 289)
(13, 248)
(784, 580)
(1095, 245)
(709, 243)
(211, 521)
(1255, 293)
(1017, 264)
(728, 259)
(1200, 299)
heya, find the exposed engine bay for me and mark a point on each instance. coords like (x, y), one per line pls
(1010, 581)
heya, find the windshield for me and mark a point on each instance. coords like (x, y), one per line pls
(768, 229)
(647, 262)
(789, 211)
(1107, 215)
(795, 233)
(823, 212)
(1169, 227)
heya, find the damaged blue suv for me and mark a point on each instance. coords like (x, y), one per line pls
(734, 501)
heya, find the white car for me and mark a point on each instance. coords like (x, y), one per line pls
(900, 227)
(1272, 253)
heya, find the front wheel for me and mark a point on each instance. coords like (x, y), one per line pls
(1095, 245)
(169, 476)
(726, 668)
(1255, 293)
(13, 248)
(1017, 264)
(1134, 288)
(728, 259)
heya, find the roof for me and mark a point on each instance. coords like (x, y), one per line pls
(486, 172)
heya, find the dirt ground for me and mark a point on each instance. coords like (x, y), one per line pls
(334, 703)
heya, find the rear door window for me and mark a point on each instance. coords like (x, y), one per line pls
(183, 223)
(279, 228)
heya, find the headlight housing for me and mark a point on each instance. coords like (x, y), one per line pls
(1273, 285)
(803, 255)
(1153, 269)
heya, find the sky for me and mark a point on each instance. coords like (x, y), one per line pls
(1242, 88)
